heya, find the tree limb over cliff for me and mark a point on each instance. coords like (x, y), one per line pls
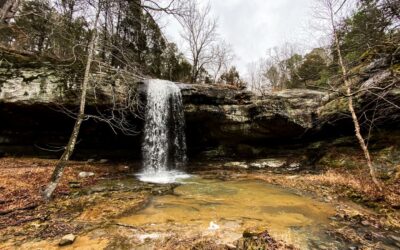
(8, 8)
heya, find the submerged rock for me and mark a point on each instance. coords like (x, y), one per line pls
(67, 240)
(213, 226)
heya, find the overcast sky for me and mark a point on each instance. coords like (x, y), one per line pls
(253, 26)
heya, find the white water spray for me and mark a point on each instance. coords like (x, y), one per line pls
(164, 146)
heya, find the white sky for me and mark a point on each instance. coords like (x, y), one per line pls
(253, 26)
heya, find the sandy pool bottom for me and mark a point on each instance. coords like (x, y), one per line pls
(224, 209)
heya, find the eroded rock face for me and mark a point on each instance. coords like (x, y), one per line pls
(34, 98)
(219, 120)
(29, 85)
(31, 97)
(47, 84)
(239, 106)
(238, 118)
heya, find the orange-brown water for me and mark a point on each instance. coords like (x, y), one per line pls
(224, 209)
(218, 209)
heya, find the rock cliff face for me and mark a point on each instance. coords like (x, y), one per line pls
(47, 84)
(218, 118)
(218, 115)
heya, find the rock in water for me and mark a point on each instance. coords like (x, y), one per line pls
(67, 240)
(213, 226)
(85, 174)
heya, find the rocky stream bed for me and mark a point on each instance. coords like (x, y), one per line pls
(89, 209)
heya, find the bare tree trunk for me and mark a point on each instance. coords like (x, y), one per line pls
(59, 169)
(8, 8)
(193, 77)
(356, 123)
(217, 73)
(360, 138)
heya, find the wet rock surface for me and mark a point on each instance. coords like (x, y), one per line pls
(67, 240)
(256, 238)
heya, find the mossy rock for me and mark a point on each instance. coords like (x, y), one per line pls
(390, 155)
(317, 145)
(334, 107)
(396, 68)
(345, 141)
(335, 160)
(218, 152)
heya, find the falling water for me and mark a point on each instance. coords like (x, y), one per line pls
(164, 147)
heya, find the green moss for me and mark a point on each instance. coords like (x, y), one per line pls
(317, 145)
(368, 55)
(345, 141)
(388, 154)
(338, 160)
(396, 68)
(357, 69)
(334, 107)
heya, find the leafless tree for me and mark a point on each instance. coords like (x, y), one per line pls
(69, 149)
(222, 54)
(272, 72)
(258, 83)
(277, 70)
(200, 33)
(329, 10)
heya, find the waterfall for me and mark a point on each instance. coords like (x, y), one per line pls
(164, 146)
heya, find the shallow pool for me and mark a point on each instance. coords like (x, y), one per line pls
(224, 209)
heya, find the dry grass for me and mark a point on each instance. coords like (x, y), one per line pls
(354, 184)
(22, 179)
(356, 181)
